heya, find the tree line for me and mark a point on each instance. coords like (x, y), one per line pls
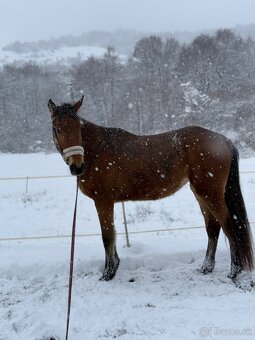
(162, 85)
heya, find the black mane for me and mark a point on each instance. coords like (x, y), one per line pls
(67, 109)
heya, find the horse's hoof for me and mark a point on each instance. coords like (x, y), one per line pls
(236, 271)
(107, 276)
(242, 280)
(110, 270)
(206, 269)
(232, 277)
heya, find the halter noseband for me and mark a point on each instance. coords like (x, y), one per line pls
(73, 150)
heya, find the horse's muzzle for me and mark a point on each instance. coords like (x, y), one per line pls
(77, 171)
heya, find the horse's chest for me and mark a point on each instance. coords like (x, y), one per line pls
(89, 187)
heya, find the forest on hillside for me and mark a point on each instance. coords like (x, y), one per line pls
(162, 85)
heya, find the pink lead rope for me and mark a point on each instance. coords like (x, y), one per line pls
(71, 263)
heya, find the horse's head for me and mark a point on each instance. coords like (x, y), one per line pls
(67, 134)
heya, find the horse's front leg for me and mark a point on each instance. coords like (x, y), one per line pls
(105, 214)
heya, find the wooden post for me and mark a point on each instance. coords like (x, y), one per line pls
(125, 224)
(27, 185)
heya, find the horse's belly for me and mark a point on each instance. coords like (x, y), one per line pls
(153, 189)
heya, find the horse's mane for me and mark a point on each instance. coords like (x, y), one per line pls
(67, 109)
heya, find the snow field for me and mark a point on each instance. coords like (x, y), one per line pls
(158, 292)
(63, 55)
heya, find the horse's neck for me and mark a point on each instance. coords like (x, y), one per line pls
(92, 136)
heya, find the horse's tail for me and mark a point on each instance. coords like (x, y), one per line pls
(240, 230)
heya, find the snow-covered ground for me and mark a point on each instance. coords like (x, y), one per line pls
(158, 292)
(64, 55)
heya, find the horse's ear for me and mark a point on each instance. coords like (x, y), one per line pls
(78, 104)
(52, 107)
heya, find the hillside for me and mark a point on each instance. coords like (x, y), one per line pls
(72, 49)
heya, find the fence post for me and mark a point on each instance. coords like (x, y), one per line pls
(27, 185)
(125, 224)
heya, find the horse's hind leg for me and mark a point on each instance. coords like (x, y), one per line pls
(219, 209)
(213, 231)
(105, 214)
(222, 214)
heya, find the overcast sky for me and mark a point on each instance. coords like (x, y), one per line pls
(28, 20)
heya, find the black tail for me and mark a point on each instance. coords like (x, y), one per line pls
(240, 227)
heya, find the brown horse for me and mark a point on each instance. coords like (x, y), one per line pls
(114, 165)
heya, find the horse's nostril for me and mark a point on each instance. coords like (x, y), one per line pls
(77, 171)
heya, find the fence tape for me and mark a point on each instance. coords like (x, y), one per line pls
(92, 235)
(48, 237)
(24, 178)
